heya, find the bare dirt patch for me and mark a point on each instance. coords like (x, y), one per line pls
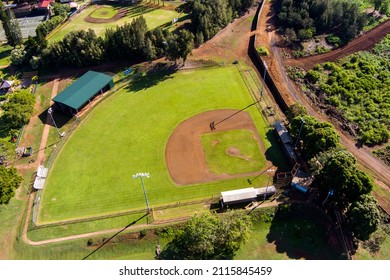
(234, 152)
(184, 153)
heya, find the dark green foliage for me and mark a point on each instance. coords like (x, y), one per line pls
(334, 40)
(78, 48)
(312, 76)
(359, 89)
(340, 173)
(363, 217)
(47, 26)
(315, 136)
(18, 110)
(310, 17)
(9, 182)
(209, 17)
(60, 14)
(209, 237)
(10, 26)
(383, 154)
(296, 110)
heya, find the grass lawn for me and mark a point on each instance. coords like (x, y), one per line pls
(5, 53)
(154, 17)
(233, 152)
(127, 134)
(105, 12)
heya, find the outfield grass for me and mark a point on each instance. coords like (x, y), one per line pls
(127, 133)
(233, 152)
(105, 12)
(154, 17)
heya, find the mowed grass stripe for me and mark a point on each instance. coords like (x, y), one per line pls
(232, 152)
(127, 133)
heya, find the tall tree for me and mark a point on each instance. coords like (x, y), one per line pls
(340, 173)
(315, 136)
(209, 237)
(11, 26)
(185, 44)
(9, 181)
(363, 217)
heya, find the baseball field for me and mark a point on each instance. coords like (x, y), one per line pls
(159, 125)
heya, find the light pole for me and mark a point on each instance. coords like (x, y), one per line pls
(262, 85)
(50, 112)
(141, 175)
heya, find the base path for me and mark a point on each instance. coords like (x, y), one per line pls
(184, 153)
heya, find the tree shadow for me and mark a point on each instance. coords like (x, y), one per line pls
(117, 233)
(275, 153)
(303, 232)
(4, 128)
(155, 75)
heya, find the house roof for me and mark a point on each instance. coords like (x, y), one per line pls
(44, 4)
(83, 89)
(6, 84)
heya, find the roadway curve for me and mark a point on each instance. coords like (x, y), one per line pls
(364, 42)
(289, 91)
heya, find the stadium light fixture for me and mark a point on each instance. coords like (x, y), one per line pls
(50, 112)
(141, 175)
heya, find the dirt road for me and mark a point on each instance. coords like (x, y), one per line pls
(276, 61)
(364, 42)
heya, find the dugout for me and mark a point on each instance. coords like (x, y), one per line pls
(245, 195)
(72, 99)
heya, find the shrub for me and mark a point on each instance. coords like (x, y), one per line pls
(333, 40)
(262, 51)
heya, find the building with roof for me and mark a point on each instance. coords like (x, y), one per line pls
(72, 99)
(286, 141)
(246, 195)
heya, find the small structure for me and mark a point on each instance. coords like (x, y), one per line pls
(43, 5)
(286, 141)
(40, 178)
(82, 91)
(246, 195)
(73, 6)
(302, 181)
(6, 86)
(27, 151)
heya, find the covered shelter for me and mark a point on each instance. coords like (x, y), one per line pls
(40, 178)
(72, 99)
(239, 196)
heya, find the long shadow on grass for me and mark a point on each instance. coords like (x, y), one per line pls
(109, 239)
(275, 153)
(60, 118)
(303, 232)
(152, 77)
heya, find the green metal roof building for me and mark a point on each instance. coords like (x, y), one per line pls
(82, 91)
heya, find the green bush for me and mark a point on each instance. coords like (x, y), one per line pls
(333, 40)
(262, 51)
